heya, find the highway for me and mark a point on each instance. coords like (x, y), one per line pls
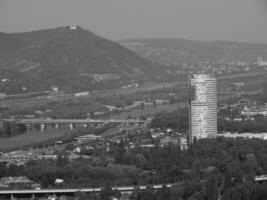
(73, 121)
(74, 190)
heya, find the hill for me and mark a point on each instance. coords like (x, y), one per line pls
(70, 58)
(175, 51)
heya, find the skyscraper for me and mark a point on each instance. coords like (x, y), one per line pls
(203, 106)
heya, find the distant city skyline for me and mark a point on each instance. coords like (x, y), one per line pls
(208, 20)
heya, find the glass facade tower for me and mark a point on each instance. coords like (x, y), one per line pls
(203, 106)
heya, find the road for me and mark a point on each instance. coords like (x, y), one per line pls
(58, 192)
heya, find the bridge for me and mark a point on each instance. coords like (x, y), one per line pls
(74, 121)
(59, 192)
(71, 122)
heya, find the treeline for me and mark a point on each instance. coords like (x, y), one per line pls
(258, 125)
(208, 169)
(179, 120)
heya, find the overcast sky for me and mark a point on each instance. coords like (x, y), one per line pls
(235, 20)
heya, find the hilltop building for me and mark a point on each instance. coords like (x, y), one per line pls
(203, 106)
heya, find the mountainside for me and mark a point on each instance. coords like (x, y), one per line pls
(176, 51)
(70, 58)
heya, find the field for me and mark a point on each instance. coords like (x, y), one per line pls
(56, 101)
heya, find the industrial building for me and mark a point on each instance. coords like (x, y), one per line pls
(203, 106)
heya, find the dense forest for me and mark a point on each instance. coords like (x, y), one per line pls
(209, 168)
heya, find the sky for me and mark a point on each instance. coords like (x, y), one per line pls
(234, 20)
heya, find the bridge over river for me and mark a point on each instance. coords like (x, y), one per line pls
(71, 122)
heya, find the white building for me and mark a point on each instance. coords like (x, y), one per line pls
(261, 62)
(73, 27)
(203, 106)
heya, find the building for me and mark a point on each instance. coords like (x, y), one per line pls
(261, 62)
(182, 141)
(20, 182)
(87, 138)
(203, 106)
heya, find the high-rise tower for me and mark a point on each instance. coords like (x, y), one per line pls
(203, 106)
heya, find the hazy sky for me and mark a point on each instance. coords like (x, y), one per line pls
(236, 20)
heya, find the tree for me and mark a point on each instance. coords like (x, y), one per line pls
(163, 194)
(62, 158)
(120, 150)
(107, 193)
(211, 188)
(81, 196)
(142, 106)
(69, 147)
(154, 104)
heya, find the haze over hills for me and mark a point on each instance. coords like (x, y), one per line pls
(175, 51)
(70, 58)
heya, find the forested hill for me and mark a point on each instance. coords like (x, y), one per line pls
(67, 57)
